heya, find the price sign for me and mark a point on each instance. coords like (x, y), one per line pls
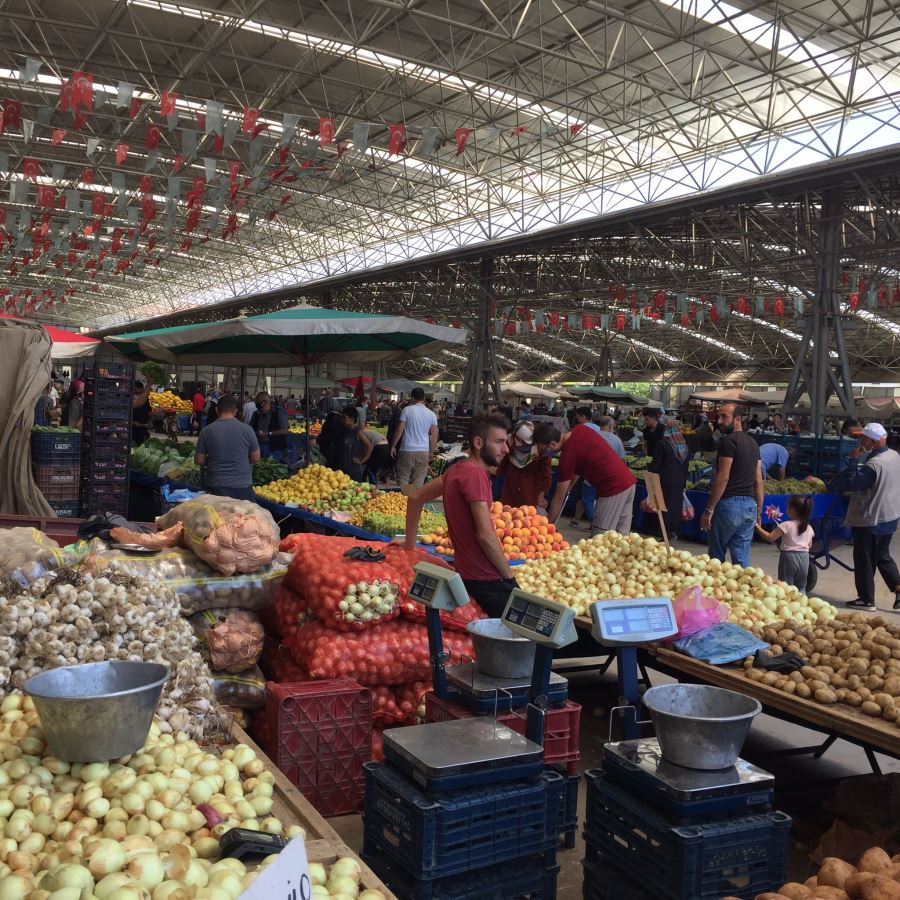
(285, 879)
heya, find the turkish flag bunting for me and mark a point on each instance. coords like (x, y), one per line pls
(326, 132)
(258, 130)
(201, 120)
(87, 176)
(65, 96)
(80, 120)
(574, 129)
(12, 114)
(121, 153)
(135, 107)
(72, 256)
(199, 186)
(82, 89)
(116, 243)
(396, 139)
(148, 207)
(57, 136)
(98, 204)
(179, 163)
(517, 131)
(186, 244)
(218, 143)
(153, 135)
(462, 135)
(146, 184)
(47, 196)
(248, 123)
(233, 169)
(31, 168)
(167, 103)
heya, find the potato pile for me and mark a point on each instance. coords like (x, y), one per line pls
(853, 659)
(875, 877)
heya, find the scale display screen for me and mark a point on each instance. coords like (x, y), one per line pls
(438, 587)
(423, 587)
(639, 621)
(540, 620)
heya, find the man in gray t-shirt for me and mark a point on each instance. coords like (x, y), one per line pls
(228, 449)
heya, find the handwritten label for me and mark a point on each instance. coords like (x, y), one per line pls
(285, 879)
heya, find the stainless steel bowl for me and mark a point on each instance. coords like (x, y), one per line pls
(97, 711)
(699, 726)
(499, 652)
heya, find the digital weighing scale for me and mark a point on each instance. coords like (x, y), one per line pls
(461, 753)
(686, 795)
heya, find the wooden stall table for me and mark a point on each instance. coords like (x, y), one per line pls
(323, 843)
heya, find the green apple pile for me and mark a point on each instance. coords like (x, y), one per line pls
(611, 566)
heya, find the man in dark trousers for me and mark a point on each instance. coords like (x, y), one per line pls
(466, 489)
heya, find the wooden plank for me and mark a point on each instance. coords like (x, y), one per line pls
(289, 804)
(837, 718)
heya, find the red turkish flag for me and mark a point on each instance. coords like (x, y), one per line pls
(146, 184)
(620, 322)
(47, 196)
(248, 122)
(854, 300)
(326, 132)
(153, 135)
(462, 136)
(218, 143)
(98, 204)
(148, 207)
(87, 176)
(574, 129)
(134, 107)
(82, 89)
(31, 168)
(517, 131)
(179, 163)
(396, 139)
(167, 103)
(199, 186)
(121, 153)
(12, 114)
(65, 96)
(57, 136)
(201, 120)
(233, 169)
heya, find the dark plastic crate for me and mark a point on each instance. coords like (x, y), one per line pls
(65, 510)
(114, 427)
(567, 822)
(531, 877)
(319, 733)
(561, 726)
(57, 476)
(740, 857)
(49, 449)
(435, 836)
(603, 881)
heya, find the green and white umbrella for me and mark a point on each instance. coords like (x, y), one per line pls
(303, 336)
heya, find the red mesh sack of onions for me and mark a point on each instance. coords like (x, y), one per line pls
(391, 653)
(385, 708)
(410, 700)
(278, 664)
(288, 612)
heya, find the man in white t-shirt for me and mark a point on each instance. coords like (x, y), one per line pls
(418, 431)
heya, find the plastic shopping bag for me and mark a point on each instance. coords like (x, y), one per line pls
(687, 509)
(693, 611)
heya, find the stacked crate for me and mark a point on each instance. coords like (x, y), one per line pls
(108, 394)
(56, 462)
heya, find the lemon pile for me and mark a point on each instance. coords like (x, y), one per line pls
(307, 487)
(169, 400)
(390, 503)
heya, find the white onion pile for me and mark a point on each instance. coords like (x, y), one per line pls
(611, 565)
(66, 618)
(368, 600)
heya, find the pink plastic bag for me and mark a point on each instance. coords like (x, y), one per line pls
(694, 612)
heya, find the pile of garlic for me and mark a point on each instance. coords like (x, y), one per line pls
(145, 827)
(69, 617)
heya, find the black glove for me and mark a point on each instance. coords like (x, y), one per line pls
(786, 662)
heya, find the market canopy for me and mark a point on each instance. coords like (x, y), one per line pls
(315, 382)
(608, 394)
(521, 389)
(67, 344)
(739, 395)
(303, 335)
(401, 385)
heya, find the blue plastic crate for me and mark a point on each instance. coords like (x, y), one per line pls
(567, 822)
(531, 877)
(431, 837)
(603, 881)
(56, 449)
(65, 510)
(739, 857)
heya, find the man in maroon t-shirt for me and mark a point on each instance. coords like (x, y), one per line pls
(586, 452)
(466, 489)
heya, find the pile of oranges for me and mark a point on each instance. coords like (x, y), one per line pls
(523, 533)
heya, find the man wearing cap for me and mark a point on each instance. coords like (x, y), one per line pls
(873, 514)
(526, 475)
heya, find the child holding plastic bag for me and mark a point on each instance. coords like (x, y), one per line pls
(796, 535)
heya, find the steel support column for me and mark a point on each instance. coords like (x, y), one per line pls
(481, 383)
(816, 371)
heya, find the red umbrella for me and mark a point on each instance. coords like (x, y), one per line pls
(66, 344)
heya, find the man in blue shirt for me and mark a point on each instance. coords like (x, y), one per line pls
(873, 513)
(774, 459)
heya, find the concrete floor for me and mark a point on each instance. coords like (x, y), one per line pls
(804, 786)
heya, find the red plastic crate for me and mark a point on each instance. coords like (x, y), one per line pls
(562, 727)
(319, 733)
(58, 483)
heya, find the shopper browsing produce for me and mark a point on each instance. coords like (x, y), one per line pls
(228, 449)
(873, 514)
(526, 475)
(73, 405)
(586, 453)
(774, 460)
(466, 489)
(796, 540)
(270, 422)
(670, 462)
(378, 455)
(354, 445)
(736, 498)
(416, 435)
(140, 413)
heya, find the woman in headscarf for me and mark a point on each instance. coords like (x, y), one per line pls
(527, 476)
(670, 462)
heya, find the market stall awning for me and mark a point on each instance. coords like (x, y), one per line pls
(66, 344)
(402, 386)
(521, 389)
(303, 335)
(739, 395)
(608, 394)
